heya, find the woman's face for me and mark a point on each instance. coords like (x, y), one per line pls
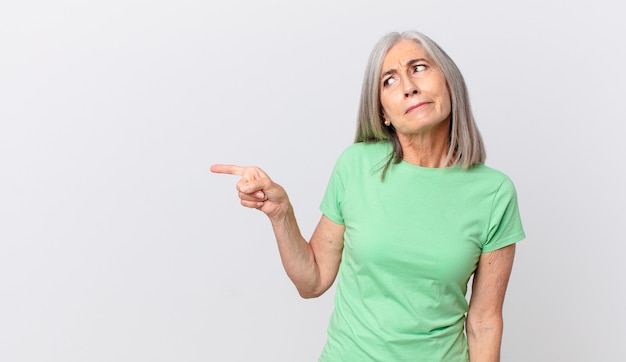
(413, 92)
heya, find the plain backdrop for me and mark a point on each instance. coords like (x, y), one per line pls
(118, 244)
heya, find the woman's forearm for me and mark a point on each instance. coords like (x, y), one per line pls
(296, 254)
(484, 338)
(312, 266)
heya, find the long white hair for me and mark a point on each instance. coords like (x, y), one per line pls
(466, 146)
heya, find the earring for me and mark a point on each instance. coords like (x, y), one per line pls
(387, 123)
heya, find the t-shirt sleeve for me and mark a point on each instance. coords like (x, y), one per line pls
(331, 202)
(505, 224)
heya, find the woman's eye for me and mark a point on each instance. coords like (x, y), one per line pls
(389, 81)
(419, 68)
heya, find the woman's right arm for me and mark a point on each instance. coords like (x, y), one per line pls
(311, 266)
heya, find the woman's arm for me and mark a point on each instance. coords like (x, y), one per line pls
(311, 266)
(484, 319)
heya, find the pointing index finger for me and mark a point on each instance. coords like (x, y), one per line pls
(227, 169)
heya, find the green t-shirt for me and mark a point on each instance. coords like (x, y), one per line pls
(411, 244)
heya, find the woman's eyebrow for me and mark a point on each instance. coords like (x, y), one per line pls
(408, 64)
(388, 72)
(413, 61)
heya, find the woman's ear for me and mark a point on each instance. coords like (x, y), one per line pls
(383, 118)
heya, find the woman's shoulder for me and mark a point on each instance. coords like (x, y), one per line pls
(362, 155)
(490, 175)
(367, 150)
(483, 169)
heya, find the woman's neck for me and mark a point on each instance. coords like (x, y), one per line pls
(426, 149)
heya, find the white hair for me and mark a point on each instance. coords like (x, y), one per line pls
(466, 146)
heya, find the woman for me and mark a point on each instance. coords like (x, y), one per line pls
(409, 215)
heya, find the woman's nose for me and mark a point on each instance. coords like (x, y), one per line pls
(410, 88)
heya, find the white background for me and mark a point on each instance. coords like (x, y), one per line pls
(118, 244)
